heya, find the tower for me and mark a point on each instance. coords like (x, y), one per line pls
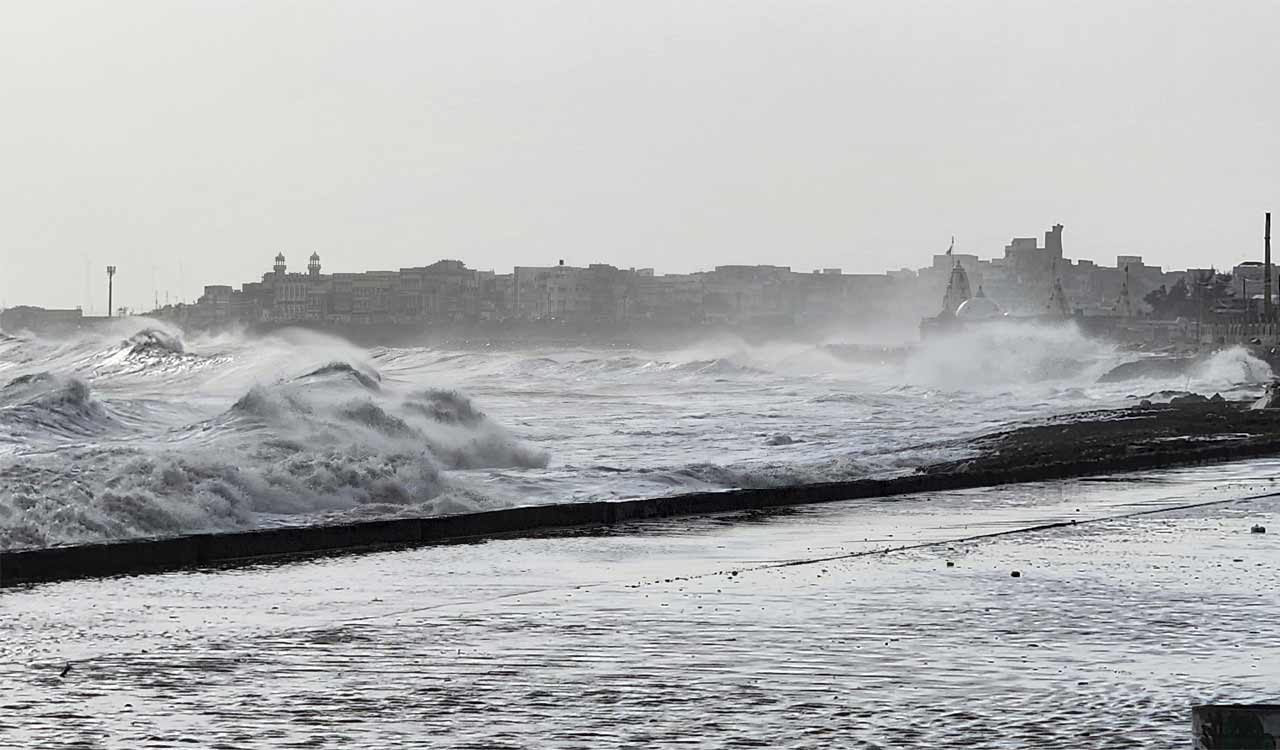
(279, 267)
(313, 268)
(111, 275)
(1053, 243)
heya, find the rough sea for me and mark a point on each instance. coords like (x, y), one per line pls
(872, 623)
(143, 430)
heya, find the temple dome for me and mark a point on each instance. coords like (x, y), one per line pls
(979, 308)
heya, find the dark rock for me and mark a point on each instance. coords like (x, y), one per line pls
(781, 440)
(950, 564)
(1164, 394)
(1015, 574)
(1258, 529)
(1188, 400)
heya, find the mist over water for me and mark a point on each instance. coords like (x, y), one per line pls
(139, 430)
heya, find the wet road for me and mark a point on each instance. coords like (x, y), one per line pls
(808, 628)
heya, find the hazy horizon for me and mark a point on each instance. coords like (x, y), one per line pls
(189, 143)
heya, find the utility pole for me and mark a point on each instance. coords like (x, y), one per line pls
(111, 274)
(1266, 272)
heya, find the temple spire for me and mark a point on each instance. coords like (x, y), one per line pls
(958, 290)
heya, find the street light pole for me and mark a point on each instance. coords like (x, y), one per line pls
(111, 274)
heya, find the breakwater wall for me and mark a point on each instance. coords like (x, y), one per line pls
(242, 547)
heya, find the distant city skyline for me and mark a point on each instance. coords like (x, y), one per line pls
(188, 142)
(296, 261)
(1028, 279)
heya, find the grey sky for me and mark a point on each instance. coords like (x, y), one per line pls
(188, 142)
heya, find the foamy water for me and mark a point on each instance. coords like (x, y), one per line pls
(890, 624)
(141, 430)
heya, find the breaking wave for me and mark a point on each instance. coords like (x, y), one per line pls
(368, 379)
(43, 406)
(1230, 368)
(333, 442)
(155, 341)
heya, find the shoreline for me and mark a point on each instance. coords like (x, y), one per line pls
(1081, 445)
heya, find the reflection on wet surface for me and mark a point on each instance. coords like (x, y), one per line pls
(692, 632)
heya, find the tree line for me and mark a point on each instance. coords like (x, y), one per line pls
(1207, 291)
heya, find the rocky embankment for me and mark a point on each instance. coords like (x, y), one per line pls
(1189, 429)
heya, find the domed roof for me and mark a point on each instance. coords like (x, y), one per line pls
(315, 256)
(979, 308)
(279, 257)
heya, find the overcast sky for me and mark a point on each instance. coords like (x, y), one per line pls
(189, 142)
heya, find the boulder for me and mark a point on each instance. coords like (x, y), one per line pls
(1191, 399)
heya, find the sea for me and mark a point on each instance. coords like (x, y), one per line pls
(141, 429)
(1064, 614)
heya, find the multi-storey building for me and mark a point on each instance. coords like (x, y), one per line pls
(1024, 281)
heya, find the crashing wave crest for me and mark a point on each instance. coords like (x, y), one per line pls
(42, 405)
(335, 442)
(155, 341)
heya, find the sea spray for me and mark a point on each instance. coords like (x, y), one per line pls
(1231, 367)
(1008, 353)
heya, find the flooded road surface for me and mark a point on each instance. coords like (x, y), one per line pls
(839, 625)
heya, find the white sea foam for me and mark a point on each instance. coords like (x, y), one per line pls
(1231, 368)
(1009, 353)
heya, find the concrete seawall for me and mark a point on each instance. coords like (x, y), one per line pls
(197, 550)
